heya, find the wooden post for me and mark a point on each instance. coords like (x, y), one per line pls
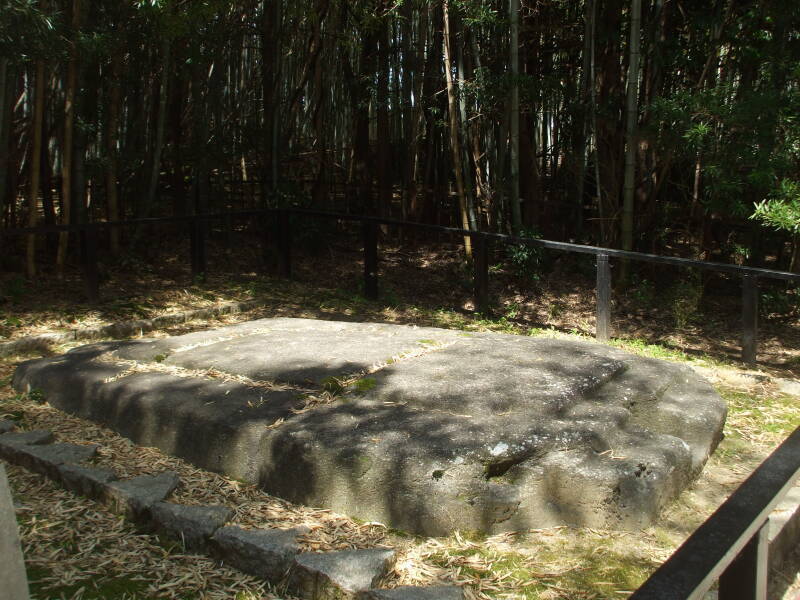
(193, 246)
(749, 319)
(746, 577)
(283, 236)
(91, 275)
(369, 231)
(227, 223)
(480, 257)
(198, 249)
(603, 326)
(265, 225)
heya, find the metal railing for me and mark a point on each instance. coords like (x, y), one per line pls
(277, 234)
(731, 546)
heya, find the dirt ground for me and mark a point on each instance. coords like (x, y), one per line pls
(660, 314)
(695, 313)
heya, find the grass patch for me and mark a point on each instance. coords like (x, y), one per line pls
(362, 386)
(96, 587)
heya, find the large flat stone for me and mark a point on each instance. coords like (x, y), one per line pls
(265, 553)
(13, 579)
(433, 592)
(298, 351)
(217, 425)
(85, 481)
(485, 432)
(25, 438)
(339, 575)
(192, 525)
(7, 426)
(134, 497)
(45, 459)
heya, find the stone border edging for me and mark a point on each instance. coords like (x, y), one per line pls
(122, 328)
(271, 554)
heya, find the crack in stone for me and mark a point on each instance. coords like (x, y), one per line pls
(134, 366)
(222, 338)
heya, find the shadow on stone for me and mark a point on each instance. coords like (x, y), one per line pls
(484, 432)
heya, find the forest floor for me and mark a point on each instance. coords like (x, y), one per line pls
(75, 549)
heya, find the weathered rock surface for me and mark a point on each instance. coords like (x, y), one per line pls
(25, 438)
(134, 497)
(6, 426)
(339, 575)
(434, 592)
(13, 579)
(265, 553)
(487, 432)
(86, 481)
(193, 525)
(298, 351)
(45, 459)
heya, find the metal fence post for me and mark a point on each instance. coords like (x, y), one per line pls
(749, 318)
(480, 257)
(264, 225)
(603, 326)
(746, 577)
(283, 236)
(198, 248)
(91, 275)
(369, 232)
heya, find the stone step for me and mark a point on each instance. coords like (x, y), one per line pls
(192, 525)
(265, 553)
(12, 567)
(25, 438)
(271, 554)
(134, 497)
(433, 592)
(339, 575)
(85, 481)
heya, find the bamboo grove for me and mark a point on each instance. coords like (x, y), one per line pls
(613, 122)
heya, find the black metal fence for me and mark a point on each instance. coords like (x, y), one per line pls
(731, 546)
(277, 243)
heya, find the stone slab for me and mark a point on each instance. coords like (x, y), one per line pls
(788, 386)
(265, 553)
(339, 575)
(475, 431)
(134, 497)
(7, 426)
(192, 525)
(13, 579)
(784, 530)
(25, 438)
(45, 459)
(299, 351)
(433, 592)
(84, 481)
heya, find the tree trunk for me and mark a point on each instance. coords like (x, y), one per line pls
(582, 130)
(416, 115)
(5, 122)
(166, 68)
(516, 213)
(632, 113)
(112, 155)
(270, 68)
(455, 146)
(383, 131)
(36, 167)
(69, 132)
